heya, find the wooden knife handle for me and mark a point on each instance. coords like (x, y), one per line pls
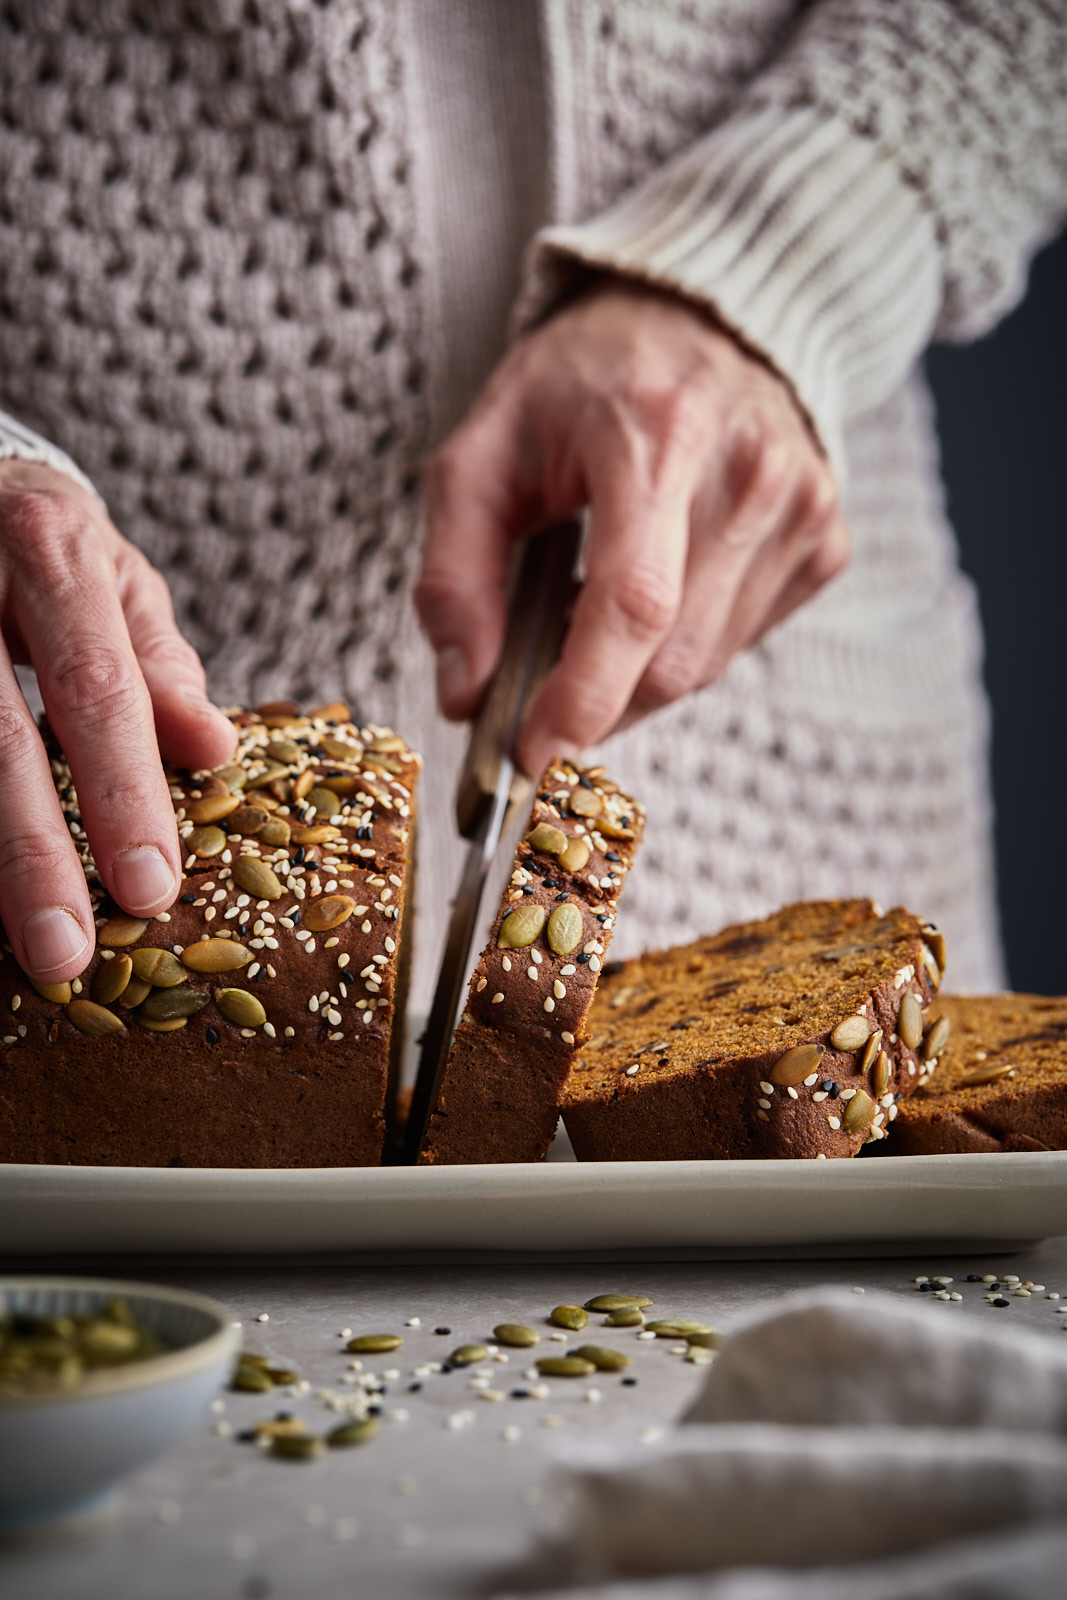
(542, 594)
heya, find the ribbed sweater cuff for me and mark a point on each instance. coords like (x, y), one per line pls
(801, 237)
(18, 440)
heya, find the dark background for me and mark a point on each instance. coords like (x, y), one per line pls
(1002, 417)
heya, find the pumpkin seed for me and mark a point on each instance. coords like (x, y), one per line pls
(204, 842)
(240, 1007)
(937, 1038)
(111, 979)
(163, 1025)
(164, 1005)
(386, 763)
(618, 1302)
(233, 776)
(974, 1080)
(212, 807)
(248, 821)
(515, 1334)
(215, 955)
(319, 835)
(710, 1340)
(59, 993)
(256, 878)
(881, 1073)
(278, 713)
(160, 968)
(859, 1112)
(936, 940)
(564, 931)
(796, 1065)
(135, 991)
(249, 1358)
(387, 744)
(323, 802)
(285, 750)
(613, 830)
(467, 1355)
(340, 749)
(520, 927)
(280, 1428)
(674, 1328)
(273, 774)
(910, 1020)
(565, 1367)
(336, 711)
(275, 832)
(926, 956)
(630, 1318)
(374, 1343)
(850, 1034)
(340, 785)
(548, 840)
(576, 855)
(573, 1317)
(92, 1019)
(282, 1376)
(584, 802)
(303, 783)
(603, 1359)
(350, 1433)
(328, 912)
(298, 1447)
(118, 931)
(874, 1044)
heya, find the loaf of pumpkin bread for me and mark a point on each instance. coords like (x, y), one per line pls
(258, 1022)
(1000, 1081)
(797, 1035)
(530, 993)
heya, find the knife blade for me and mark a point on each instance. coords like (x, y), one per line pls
(491, 786)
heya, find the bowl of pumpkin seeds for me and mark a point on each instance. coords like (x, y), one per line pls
(98, 1378)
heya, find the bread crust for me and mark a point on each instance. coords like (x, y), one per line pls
(312, 1086)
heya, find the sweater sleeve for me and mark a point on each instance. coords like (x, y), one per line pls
(884, 181)
(19, 441)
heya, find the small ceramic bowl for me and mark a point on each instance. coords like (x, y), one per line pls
(63, 1454)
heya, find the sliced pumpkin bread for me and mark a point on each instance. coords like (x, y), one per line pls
(797, 1035)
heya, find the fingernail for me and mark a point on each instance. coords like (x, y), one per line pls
(453, 675)
(142, 878)
(52, 938)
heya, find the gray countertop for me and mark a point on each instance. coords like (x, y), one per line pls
(441, 1502)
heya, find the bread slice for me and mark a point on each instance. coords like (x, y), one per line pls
(530, 993)
(268, 1029)
(793, 1036)
(1001, 1078)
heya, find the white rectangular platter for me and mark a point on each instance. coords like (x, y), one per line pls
(561, 1207)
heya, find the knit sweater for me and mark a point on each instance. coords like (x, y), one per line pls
(256, 255)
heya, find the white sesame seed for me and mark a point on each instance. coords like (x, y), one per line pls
(594, 963)
(813, 1077)
(313, 1003)
(511, 1434)
(497, 998)
(531, 972)
(646, 1336)
(765, 1105)
(819, 1095)
(835, 1122)
(792, 1093)
(264, 1316)
(568, 1038)
(506, 963)
(768, 1088)
(551, 1419)
(568, 971)
(857, 1290)
(365, 927)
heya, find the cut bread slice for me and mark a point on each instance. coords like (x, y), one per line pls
(1000, 1081)
(532, 988)
(793, 1036)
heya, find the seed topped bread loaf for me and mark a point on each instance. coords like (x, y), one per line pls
(531, 991)
(257, 1022)
(1001, 1078)
(793, 1036)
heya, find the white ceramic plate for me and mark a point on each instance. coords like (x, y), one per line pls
(689, 1208)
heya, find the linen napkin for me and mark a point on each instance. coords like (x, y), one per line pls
(837, 1448)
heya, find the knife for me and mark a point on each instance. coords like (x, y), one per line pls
(492, 788)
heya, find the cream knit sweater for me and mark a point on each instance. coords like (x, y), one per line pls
(255, 255)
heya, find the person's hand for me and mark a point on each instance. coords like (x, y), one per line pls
(85, 609)
(713, 512)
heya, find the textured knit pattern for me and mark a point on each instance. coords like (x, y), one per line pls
(217, 293)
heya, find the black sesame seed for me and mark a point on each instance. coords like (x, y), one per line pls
(833, 1089)
(927, 1288)
(527, 888)
(582, 959)
(413, 1388)
(1000, 1304)
(445, 1331)
(260, 975)
(584, 782)
(612, 855)
(602, 916)
(211, 1036)
(283, 1416)
(677, 1026)
(624, 822)
(629, 1383)
(664, 1061)
(374, 1411)
(246, 1436)
(295, 915)
(299, 856)
(974, 1277)
(562, 896)
(520, 1394)
(187, 899)
(993, 1288)
(550, 883)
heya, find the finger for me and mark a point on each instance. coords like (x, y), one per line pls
(97, 703)
(190, 731)
(472, 511)
(44, 899)
(826, 562)
(635, 563)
